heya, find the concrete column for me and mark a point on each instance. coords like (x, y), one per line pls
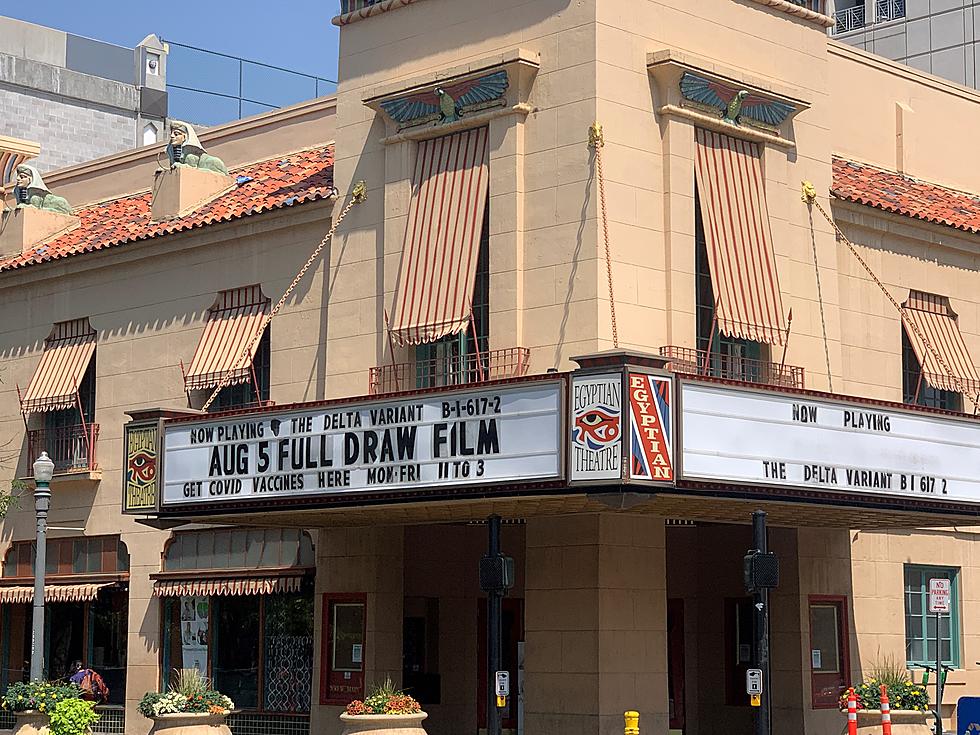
(596, 624)
(368, 561)
(143, 645)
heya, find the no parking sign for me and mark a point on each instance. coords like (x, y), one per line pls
(968, 716)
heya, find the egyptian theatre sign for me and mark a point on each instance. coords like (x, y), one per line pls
(499, 435)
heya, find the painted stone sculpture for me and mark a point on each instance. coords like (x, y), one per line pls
(734, 104)
(185, 150)
(31, 191)
(446, 103)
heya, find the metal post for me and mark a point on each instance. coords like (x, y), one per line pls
(42, 502)
(939, 678)
(494, 619)
(760, 601)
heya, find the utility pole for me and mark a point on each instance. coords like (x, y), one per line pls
(494, 618)
(43, 472)
(761, 575)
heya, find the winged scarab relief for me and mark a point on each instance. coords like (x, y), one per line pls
(446, 103)
(734, 104)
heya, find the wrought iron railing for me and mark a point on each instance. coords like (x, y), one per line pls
(349, 6)
(817, 6)
(71, 448)
(511, 362)
(886, 10)
(732, 367)
(849, 19)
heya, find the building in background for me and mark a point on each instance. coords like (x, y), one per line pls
(941, 37)
(78, 97)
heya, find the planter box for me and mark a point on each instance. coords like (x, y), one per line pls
(189, 723)
(904, 722)
(384, 724)
(31, 722)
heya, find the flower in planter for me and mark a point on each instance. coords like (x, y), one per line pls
(38, 695)
(903, 694)
(384, 699)
(189, 693)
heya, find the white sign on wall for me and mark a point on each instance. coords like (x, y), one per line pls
(940, 596)
(745, 436)
(495, 435)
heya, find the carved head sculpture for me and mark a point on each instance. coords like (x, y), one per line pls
(30, 189)
(183, 140)
(28, 178)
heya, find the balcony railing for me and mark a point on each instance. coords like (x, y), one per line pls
(817, 6)
(71, 448)
(349, 6)
(849, 19)
(732, 367)
(886, 10)
(511, 362)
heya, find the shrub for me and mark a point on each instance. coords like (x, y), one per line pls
(384, 699)
(902, 692)
(38, 695)
(73, 717)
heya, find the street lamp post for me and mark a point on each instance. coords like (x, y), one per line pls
(43, 471)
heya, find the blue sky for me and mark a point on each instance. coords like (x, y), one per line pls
(296, 34)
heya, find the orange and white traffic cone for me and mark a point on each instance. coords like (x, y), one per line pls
(852, 712)
(886, 712)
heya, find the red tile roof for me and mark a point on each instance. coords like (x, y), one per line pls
(304, 176)
(901, 194)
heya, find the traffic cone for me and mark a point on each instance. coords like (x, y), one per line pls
(886, 712)
(852, 712)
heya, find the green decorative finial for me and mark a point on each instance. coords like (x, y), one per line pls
(31, 191)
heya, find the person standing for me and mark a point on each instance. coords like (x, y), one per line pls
(90, 682)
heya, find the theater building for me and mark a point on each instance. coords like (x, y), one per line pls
(621, 340)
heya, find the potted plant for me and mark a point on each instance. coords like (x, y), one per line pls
(190, 704)
(73, 717)
(908, 702)
(33, 702)
(384, 710)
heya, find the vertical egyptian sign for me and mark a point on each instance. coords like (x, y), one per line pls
(140, 468)
(651, 430)
(597, 428)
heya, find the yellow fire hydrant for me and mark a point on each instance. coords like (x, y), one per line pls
(632, 723)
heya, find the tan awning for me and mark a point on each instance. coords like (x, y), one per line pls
(67, 353)
(442, 238)
(732, 194)
(936, 320)
(227, 587)
(53, 593)
(234, 321)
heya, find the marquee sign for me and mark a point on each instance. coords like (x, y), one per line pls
(494, 435)
(747, 436)
(140, 483)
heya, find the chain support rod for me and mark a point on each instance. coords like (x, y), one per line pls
(596, 142)
(358, 195)
(809, 197)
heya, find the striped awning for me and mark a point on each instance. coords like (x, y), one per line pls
(442, 238)
(732, 195)
(52, 593)
(230, 586)
(13, 152)
(936, 320)
(234, 323)
(67, 353)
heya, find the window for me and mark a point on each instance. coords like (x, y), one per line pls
(452, 360)
(69, 556)
(239, 548)
(92, 629)
(920, 624)
(242, 395)
(64, 437)
(728, 357)
(830, 671)
(257, 648)
(342, 658)
(916, 390)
